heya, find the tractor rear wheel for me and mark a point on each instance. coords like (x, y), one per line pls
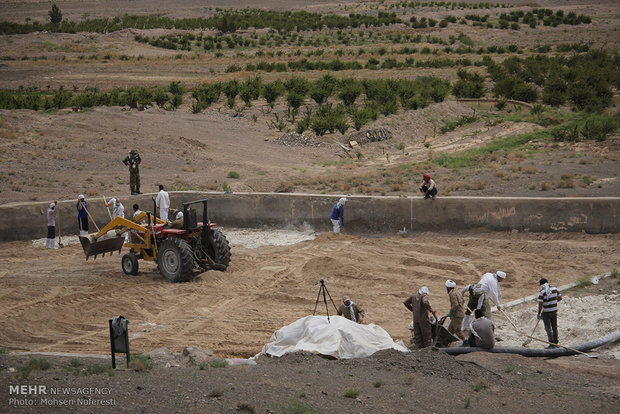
(129, 262)
(175, 260)
(219, 250)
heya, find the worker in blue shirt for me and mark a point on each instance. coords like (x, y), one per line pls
(337, 216)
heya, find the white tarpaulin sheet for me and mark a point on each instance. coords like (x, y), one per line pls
(341, 338)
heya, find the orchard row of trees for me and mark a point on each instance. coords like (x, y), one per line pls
(446, 4)
(336, 65)
(225, 21)
(353, 102)
(586, 81)
(166, 97)
(230, 21)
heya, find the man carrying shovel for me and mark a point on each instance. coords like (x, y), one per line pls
(82, 209)
(51, 226)
(548, 299)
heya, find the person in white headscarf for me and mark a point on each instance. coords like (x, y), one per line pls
(177, 223)
(490, 284)
(456, 313)
(50, 242)
(418, 304)
(337, 215)
(118, 210)
(351, 310)
(548, 299)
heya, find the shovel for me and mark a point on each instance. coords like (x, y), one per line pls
(529, 339)
(59, 235)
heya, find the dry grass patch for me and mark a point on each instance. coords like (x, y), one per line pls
(565, 184)
(545, 186)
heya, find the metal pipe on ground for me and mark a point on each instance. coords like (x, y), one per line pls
(548, 353)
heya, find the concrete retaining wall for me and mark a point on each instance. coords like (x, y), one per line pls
(363, 214)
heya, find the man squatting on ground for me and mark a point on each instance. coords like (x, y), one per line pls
(481, 332)
(163, 203)
(82, 209)
(456, 309)
(418, 304)
(51, 226)
(479, 295)
(337, 215)
(428, 187)
(548, 299)
(351, 310)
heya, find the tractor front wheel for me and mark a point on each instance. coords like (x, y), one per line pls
(175, 260)
(130, 263)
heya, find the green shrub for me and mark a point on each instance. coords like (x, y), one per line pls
(161, 98)
(55, 15)
(176, 101)
(554, 91)
(328, 118)
(352, 393)
(359, 117)
(41, 364)
(349, 90)
(141, 363)
(299, 86)
(598, 127)
(176, 88)
(272, 91)
(231, 89)
(322, 88)
(250, 90)
(97, 369)
(218, 363)
(295, 100)
(206, 94)
(233, 174)
(295, 406)
(469, 85)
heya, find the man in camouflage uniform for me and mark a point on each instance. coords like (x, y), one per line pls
(133, 161)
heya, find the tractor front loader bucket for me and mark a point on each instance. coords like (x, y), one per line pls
(110, 238)
(94, 247)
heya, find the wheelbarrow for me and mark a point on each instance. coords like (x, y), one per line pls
(441, 337)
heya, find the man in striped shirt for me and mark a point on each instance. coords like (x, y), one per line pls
(548, 299)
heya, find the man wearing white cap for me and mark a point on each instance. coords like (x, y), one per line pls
(418, 304)
(82, 209)
(456, 309)
(51, 226)
(337, 215)
(490, 284)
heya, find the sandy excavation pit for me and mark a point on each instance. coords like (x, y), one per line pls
(55, 301)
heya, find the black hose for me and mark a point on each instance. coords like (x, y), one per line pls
(553, 352)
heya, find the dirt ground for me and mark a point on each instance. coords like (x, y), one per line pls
(54, 301)
(235, 312)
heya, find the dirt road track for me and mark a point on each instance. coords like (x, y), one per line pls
(56, 301)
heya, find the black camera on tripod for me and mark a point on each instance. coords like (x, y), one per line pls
(323, 290)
